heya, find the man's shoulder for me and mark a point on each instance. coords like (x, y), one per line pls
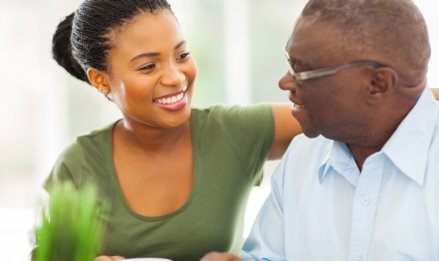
(307, 154)
(304, 145)
(301, 163)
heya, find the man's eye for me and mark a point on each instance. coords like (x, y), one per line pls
(298, 66)
(295, 65)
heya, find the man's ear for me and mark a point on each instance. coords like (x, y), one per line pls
(99, 80)
(382, 83)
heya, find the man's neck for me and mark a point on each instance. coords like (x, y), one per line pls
(375, 140)
(361, 153)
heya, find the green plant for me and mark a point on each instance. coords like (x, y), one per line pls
(72, 225)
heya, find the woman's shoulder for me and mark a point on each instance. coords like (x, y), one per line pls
(87, 152)
(97, 136)
(232, 111)
(92, 143)
(223, 119)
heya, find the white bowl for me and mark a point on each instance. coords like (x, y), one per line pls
(148, 259)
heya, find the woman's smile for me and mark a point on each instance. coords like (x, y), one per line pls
(173, 101)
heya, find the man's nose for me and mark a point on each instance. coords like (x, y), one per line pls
(287, 82)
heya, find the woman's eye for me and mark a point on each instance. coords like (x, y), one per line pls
(183, 56)
(147, 67)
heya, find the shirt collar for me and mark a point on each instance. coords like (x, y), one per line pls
(408, 147)
(337, 157)
(324, 165)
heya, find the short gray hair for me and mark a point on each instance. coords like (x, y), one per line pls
(392, 29)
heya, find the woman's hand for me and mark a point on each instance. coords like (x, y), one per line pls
(109, 258)
(217, 256)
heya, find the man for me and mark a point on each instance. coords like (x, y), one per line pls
(366, 186)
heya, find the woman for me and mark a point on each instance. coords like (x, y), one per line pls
(177, 178)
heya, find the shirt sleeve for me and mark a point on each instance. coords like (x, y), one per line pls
(67, 167)
(266, 240)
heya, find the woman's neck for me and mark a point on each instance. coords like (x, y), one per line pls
(152, 139)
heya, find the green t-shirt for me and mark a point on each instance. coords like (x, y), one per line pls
(230, 145)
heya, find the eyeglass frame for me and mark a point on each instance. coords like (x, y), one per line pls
(326, 71)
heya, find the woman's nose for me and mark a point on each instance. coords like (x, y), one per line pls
(172, 75)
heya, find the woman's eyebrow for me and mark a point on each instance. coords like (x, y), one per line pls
(144, 55)
(155, 53)
(179, 44)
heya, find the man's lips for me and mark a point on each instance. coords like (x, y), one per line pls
(296, 104)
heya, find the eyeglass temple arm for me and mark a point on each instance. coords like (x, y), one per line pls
(331, 70)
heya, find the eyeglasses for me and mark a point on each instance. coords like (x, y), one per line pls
(323, 71)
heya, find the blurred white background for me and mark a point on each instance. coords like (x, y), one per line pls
(237, 44)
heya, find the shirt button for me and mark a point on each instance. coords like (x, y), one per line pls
(357, 256)
(366, 201)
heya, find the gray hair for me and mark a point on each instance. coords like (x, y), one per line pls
(392, 29)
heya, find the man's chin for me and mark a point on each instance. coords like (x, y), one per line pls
(311, 133)
(308, 128)
(311, 136)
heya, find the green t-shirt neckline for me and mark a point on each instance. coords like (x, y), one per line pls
(116, 185)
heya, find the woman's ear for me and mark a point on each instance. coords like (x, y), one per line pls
(99, 80)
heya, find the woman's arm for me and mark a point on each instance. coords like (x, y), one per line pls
(435, 93)
(285, 128)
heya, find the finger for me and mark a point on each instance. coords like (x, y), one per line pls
(217, 256)
(103, 258)
(212, 256)
(109, 258)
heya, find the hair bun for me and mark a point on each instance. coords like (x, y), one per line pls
(62, 49)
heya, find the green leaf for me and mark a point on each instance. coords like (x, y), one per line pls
(72, 225)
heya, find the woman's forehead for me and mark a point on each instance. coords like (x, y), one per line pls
(148, 28)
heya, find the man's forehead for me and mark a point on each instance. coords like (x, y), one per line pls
(313, 28)
(312, 32)
(317, 42)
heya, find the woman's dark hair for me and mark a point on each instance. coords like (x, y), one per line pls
(82, 40)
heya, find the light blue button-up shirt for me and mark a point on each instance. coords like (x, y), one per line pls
(321, 208)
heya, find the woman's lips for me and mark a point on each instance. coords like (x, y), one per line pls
(173, 101)
(169, 95)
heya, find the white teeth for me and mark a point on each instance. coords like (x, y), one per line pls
(299, 106)
(173, 99)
